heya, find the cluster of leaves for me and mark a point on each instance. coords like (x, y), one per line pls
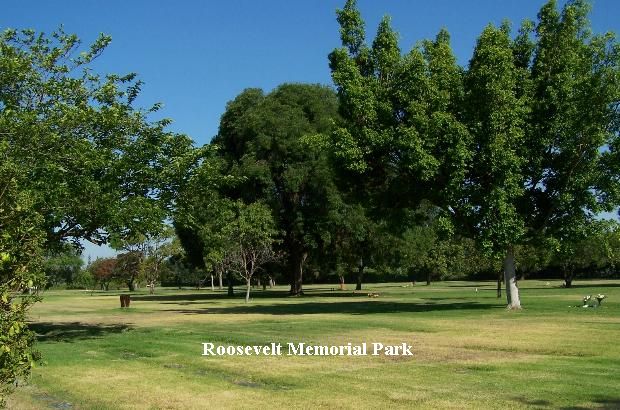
(21, 240)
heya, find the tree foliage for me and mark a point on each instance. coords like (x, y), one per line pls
(519, 147)
(78, 161)
(263, 140)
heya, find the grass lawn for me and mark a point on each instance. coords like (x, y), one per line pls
(468, 351)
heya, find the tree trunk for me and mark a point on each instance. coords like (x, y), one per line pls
(212, 284)
(131, 285)
(341, 282)
(568, 281)
(272, 282)
(360, 274)
(298, 261)
(568, 277)
(219, 278)
(510, 278)
(229, 279)
(499, 285)
(247, 292)
(428, 278)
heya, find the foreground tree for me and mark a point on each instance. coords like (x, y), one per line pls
(80, 158)
(21, 256)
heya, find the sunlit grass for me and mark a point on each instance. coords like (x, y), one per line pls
(468, 351)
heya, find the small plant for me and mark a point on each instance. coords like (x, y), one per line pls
(599, 298)
(586, 300)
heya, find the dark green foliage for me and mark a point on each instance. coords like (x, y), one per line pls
(263, 139)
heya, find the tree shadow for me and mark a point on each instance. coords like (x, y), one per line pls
(255, 294)
(478, 284)
(352, 308)
(533, 402)
(599, 404)
(70, 331)
(179, 297)
(593, 285)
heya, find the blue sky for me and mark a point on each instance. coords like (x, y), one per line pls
(194, 56)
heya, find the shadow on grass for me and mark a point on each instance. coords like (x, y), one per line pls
(256, 294)
(593, 285)
(533, 402)
(70, 331)
(353, 308)
(599, 404)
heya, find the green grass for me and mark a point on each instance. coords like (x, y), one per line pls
(469, 352)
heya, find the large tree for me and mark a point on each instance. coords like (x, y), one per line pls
(263, 139)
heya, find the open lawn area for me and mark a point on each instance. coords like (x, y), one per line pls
(469, 352)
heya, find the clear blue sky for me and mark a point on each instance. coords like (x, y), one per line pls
(194, 56)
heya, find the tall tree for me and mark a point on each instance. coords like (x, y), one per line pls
(95, 162)
(263, 140)
(495, 116)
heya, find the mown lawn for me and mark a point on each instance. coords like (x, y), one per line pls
(468, 351)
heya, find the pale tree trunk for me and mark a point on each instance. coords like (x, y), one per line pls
(249, 273)
(341, 282)
(212, 284)
(510, 278)
(247, 292)
(220, 279)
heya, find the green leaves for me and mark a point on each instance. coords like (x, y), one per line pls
(77, 161)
